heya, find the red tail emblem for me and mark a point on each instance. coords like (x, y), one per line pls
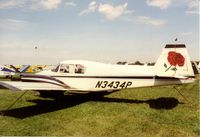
(174, 59)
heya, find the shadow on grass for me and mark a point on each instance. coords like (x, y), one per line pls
(67, 101)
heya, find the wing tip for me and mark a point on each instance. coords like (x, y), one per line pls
(8, 86)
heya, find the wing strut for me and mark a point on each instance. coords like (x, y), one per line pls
(182, 95)
(11, 105)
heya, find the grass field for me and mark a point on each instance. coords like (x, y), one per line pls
(141, 112)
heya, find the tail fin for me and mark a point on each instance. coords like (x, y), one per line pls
(174, 61)
(24, 69)
(21, 70)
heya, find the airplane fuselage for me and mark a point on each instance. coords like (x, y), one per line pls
(99, 76)
(172, 67)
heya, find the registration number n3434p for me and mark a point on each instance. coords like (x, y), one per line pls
(113, 84)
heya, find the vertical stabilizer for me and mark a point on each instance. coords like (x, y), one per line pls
(174, 61)
(24, 69)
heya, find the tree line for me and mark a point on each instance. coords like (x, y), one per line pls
(135, 63)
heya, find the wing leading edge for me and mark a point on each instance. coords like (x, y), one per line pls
(18, 85)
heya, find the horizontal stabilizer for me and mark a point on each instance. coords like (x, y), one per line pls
(175, 77)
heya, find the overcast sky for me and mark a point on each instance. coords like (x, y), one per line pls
(102, 30)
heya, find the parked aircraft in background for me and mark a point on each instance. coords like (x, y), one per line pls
(172, 67)
(6, 72)
(9, 72)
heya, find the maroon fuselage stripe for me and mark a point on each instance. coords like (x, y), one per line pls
(32, 76)
(32, 80)
(41, 76)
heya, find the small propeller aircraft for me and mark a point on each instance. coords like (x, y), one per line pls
(172, 67)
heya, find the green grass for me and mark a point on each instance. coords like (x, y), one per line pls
(149, 112)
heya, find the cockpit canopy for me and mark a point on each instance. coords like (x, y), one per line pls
(70, 68)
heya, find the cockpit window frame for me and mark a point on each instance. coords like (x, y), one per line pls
(56, 68)
(70, 68)
(80, 69)
(65, 68)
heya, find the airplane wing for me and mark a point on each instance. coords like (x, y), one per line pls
(35, 82)
(18, 85)
(13, 67)
(5, 69)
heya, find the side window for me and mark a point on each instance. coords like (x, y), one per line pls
(55, 69)
(72, 68)
(79, 69)
(64, 68)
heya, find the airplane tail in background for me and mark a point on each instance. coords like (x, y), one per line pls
(21, 70)
(174, 61)
(24, 69)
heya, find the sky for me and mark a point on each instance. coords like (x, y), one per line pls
(49, 31)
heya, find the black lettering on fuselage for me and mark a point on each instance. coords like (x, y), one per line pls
(113, 84)
(128, 84)
(105, 83)
(98, 85)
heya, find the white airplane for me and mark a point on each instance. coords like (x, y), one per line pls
(172, 67)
